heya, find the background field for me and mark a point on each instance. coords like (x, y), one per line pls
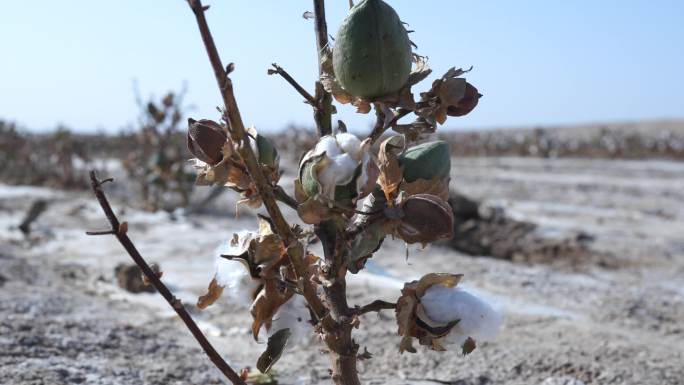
(601, 303)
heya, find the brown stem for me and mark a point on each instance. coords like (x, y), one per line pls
(281, 71)
(323, 112)
(119, 231)
(380, 126)
(264, 188)
(343, 349)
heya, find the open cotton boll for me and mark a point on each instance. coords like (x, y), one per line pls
(340, 171)
(349, 144)
(293, 315)
(477, 318)
(329, 145)
(238, 285)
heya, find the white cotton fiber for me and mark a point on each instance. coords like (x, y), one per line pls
(329, 145)
(477, 318)
(238, 285)
(349, 144)
(293, 315)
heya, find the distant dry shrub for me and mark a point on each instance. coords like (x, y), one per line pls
(157, 159)
(57, 159)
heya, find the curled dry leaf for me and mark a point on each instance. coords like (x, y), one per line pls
(343, 97)
(214, 291)
(267, 303)
(391, 173)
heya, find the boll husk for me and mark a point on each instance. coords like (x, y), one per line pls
(205, 140)
(442, 316)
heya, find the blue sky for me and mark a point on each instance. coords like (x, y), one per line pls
(536, 62)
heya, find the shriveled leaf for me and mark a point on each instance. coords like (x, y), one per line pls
(274, 349)
(268, 247)
(391, 172)
(312, 212)
(420, 71)
(417, 129)
(266, 304)
(405, 314)
(333, 87)
(214, 291)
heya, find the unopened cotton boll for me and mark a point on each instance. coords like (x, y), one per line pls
(239, 286)
(293, 315)
(478, 319)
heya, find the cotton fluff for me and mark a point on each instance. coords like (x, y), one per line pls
(239, 286)
(344, 154)
(293, 315)
(478, 319)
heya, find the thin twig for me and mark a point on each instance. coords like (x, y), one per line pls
(281, 71)
(380, 125)
(376, 305)
(351, 4)
(282, 196)
(126, 242)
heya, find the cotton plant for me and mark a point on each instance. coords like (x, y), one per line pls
(351, 193)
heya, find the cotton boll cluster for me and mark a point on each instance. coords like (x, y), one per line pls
(477, 319)
(293, 315)
(233, 275)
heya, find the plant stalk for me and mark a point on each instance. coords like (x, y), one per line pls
(323, 110)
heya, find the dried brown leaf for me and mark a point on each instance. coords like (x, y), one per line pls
(266, 304)
(313, 212)
(431, 279)
(214, 291)
(426, 218)
(391, 172)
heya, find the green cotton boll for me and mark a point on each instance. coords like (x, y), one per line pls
(268, 154)
(430, 160)
(372, 55)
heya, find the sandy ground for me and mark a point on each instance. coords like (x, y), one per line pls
(63, 319)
